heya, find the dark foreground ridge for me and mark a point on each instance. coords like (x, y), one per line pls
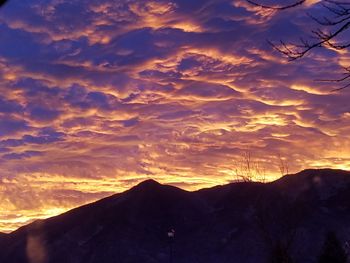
(239, 222)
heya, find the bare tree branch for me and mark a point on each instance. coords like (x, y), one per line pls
(248, 169)
(282, 165)
(329, 35)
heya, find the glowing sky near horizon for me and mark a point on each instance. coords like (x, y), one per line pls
(98, 95)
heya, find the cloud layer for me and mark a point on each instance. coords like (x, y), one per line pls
(96, 96)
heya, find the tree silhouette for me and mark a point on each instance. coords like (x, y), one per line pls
(332, 251)
(247, 169)
(331, 33)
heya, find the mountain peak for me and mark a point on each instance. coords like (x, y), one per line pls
(149, 184)
(152, 188)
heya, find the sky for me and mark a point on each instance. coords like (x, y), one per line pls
(96, 96)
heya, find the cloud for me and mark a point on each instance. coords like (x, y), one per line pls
(207, 91)
(11, 126)
(7, 107)
(43, 114)
(20, 156)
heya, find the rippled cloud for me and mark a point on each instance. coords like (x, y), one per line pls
(96, 96)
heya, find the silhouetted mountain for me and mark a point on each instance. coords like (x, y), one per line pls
(2, 236)
(238, 222)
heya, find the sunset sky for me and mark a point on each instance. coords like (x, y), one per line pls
(96, 96)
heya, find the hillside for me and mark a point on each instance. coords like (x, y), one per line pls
(239, 222)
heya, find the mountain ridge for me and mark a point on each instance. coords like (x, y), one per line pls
(212, 224)
(151, 183)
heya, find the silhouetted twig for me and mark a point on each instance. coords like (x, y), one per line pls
(332, 28)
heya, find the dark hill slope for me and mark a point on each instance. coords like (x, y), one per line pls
(239, 222)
